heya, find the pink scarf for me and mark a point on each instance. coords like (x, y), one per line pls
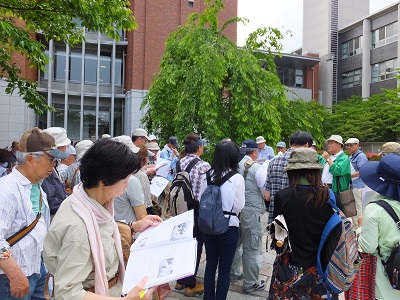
(92, 216)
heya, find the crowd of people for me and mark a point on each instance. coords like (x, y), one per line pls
(60, 201)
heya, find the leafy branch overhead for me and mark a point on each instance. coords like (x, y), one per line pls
(56, 19)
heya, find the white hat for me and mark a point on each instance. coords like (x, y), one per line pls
(60, 136)
(152, 137)
(105, 136)
(352, 141)
(70, 150)
(260, 139)
(140, 132)
(336, 138)
(153, 146)
(124, 139)
(81, 148)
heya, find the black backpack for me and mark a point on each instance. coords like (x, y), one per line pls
(181, 197)
(211, 215)
(392, 265)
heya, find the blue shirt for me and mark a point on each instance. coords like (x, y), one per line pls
(357, 160)
(265, 153)
(166, 153)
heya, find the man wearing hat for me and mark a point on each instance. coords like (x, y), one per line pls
(280, 148)
(336, 172)
(251, 227)
(378, 230)
(390, 148)
(264, 152)
(170, 153)
(139, 137)
(194, 147)
(22, 201)
(54, 186)
(357, 159)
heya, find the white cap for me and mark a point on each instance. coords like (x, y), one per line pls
(70, 150)
(124, 139)
(336, 138)
(260, 139)
(140, 132)
(81, 148)
(152, 137)
(352, 141)
(60, 136)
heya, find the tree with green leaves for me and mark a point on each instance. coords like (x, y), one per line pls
(56, 20)
(375, 119)
(206, 84)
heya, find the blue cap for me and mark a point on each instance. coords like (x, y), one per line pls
(281, 144)
(57, 153)
(250, 144)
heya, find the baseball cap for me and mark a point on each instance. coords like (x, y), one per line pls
(174, 141)
(70, 150)
(60, 136)
(260, 139)
(336, 138)
(249, 144)
(140, 132)
(36, 140)
(352, 141)
(281, 144)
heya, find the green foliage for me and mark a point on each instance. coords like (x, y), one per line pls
(206, 84)
(56, 19)
(375, 119)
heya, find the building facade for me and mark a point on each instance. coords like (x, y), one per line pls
(98, 86)
(368, 54)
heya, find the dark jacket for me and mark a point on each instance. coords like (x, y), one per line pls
(55, 191)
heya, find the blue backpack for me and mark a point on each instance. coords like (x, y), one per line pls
(211, 215)
(338, 259)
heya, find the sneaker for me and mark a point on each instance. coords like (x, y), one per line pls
(179, 287)
(196, 291)
(255, 287)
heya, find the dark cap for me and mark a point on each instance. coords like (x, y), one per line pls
(6, 156)
(250, 144)
(174, 141)
(35, 140)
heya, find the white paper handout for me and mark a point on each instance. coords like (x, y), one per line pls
(164, 253)
(163, 167)
(158, 185)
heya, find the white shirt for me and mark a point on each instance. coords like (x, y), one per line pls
(232, 195)
(16, 212)
(327, 177)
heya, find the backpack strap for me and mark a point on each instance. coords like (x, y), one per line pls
(224, 179)
(189, 166)
(247, 166)
(389, 209)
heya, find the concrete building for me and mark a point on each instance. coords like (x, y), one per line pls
(368, 54)
(98, 86)
(321, 23)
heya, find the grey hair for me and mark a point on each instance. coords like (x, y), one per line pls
(21, 156)
(250, 150)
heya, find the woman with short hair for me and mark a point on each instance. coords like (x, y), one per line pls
(82, 248)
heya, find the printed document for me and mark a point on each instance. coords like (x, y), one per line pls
(164, 253)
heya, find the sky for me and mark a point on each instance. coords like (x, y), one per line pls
(284, 15)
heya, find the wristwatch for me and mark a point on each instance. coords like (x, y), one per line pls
(328, 160)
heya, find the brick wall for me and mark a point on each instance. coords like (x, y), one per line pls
(156, 20)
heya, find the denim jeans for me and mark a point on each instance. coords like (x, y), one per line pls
(220, 250)
(36, 286)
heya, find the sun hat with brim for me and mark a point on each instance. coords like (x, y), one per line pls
(260, 139)
(383, 176)
(153, 146)
(140, 132)
(81, 148)
(390, 147)
(303, 158)
(60, 136)
(36, 140)
(6, 156)
(336, 138)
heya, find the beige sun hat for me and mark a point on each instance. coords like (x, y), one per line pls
(303, 158)
(336, 138)
(390, 147)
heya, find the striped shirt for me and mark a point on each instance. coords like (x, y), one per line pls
(16, 212)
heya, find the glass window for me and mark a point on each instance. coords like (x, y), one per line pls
(118, 71)
(46, 72)
(352, 78)
(90, 68)
(384, 70)
(105, 70)
(59, 65)
(352, 47)
(384, 35)
(75, 68)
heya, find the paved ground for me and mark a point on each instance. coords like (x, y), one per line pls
(235, 289)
